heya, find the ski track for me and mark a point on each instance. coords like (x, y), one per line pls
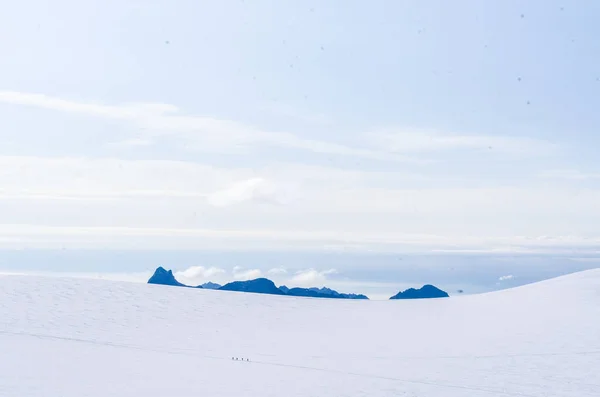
(63, 337)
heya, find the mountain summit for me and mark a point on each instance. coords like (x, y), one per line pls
(425, 292)
(210, 285)
(163, 276)
(258, 286)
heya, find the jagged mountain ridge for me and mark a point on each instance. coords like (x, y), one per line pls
(266, 286)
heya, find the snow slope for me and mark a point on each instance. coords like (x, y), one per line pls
(75, 337)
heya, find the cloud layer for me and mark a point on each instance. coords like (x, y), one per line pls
(197, 133)
(290, 201)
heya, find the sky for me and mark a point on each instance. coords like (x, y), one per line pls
(408, 127)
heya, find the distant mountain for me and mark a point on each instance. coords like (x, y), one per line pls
(335, 294)
(266, 286)
(257, 286)
(425, 292)
(306, 292)
(325, 291)
(321, 293)
(210, 285)
(284, 289)
(164, 277)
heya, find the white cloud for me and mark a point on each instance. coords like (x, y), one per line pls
(570, 175)
(212, 135)
(133, 142)
(196, 275)
(277, 271)
(197, 132)
(107, 177)
(18, 236)
(114, 203)
(81, 178)
(242, 274)
(423, 141)
(254, 189)
(311, 277)
(48, 102)
(506, 278)
(78, 178)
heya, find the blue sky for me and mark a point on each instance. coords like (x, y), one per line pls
(394, 127)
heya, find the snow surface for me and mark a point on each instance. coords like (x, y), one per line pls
(76, 337)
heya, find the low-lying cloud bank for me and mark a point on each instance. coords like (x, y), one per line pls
(197, 275)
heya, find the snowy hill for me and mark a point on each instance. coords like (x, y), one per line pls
(76, 337)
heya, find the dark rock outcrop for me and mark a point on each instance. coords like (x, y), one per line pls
(164, 277)
(322, 293)
(304, 292)
(334, 294)
(257, 286)
(426, 292)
